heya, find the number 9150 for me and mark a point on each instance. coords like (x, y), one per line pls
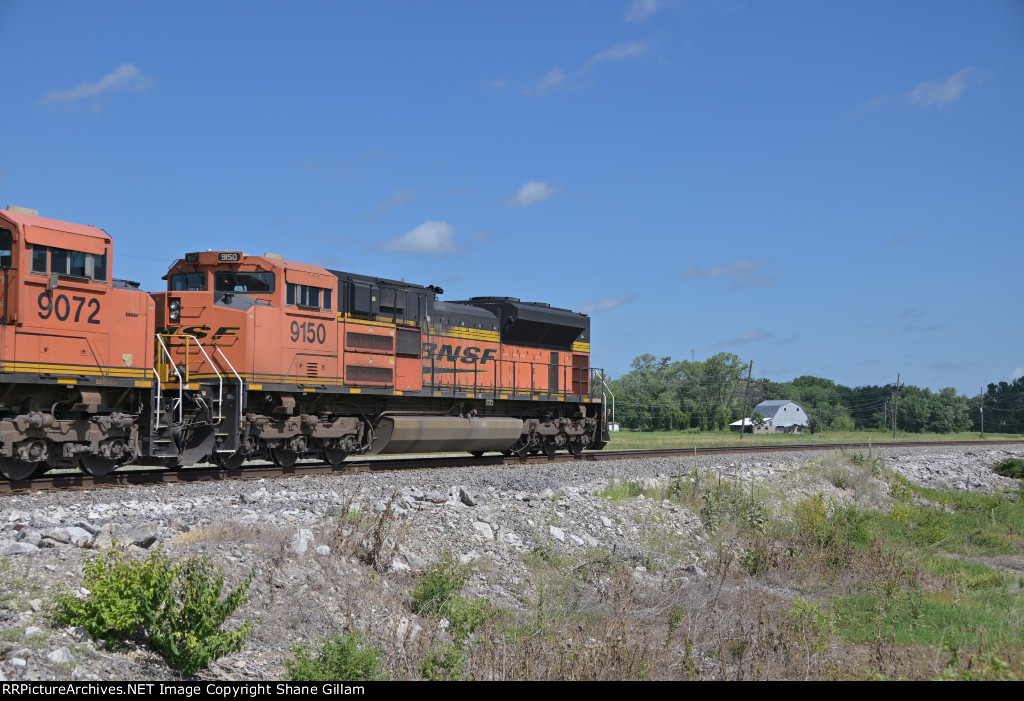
(309, 332)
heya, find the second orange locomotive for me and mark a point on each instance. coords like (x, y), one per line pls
(299, 361)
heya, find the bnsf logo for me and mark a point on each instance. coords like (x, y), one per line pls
(468, 355)
(201, 332)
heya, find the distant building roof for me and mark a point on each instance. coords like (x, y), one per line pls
(770, 407)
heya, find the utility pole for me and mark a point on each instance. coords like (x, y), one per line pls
(743, 419)
(693, 357)
(896, 408)
(981, 405)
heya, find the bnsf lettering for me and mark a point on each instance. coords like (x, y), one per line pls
(470, 355)
(64, 309)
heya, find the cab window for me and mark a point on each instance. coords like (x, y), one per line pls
(188, 282)
(244, 282)
(308, 296)
(46, 259)
(6, 241)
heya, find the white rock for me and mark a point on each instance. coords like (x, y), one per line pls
(557, 533)
(576, 539)
(60, 656)
(301, 540)
(484, 529)
(606, 522)
(322, 550)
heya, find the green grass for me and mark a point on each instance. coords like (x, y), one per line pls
(933, 618)
(627, 440)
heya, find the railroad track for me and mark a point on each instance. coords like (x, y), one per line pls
(78, 480)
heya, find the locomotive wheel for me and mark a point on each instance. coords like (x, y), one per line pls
(19, 469)
(534, 449)
(333, 456)
(96, 465)
(575, 445)
(283, 457)
(228, 461)
(477, 453)
(550, 447)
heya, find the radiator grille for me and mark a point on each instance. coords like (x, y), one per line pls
(368, 341)
(409, 342)
(358, 373)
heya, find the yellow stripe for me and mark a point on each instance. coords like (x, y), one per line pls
(397, 392)
(96, 370)
(255, 386)
(67, 381)
(355, 390)
(143, 383)
(580, 347)
(349, 320)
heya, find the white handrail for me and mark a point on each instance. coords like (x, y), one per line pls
(220, 380)
(181, 382)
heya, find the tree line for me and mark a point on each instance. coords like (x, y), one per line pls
(662, 394)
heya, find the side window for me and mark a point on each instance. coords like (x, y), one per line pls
(39, 257)
(307, 296)
(71, 263)
(6, 244)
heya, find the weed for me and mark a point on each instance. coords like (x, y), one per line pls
(344, 658)
(374, 539)
(1010, 467)
(175, 608)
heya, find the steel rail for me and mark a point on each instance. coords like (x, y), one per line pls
(78, 480)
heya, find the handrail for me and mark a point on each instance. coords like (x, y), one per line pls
(241, 383)
(220, 378)
(181, 382)
(159, 397)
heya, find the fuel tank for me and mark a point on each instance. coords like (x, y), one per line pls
(438, 434)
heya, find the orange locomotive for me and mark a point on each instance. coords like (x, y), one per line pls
(254, 357)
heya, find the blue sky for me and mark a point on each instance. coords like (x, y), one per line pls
(833, 189)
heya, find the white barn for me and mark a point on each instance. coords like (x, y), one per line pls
(782, 416)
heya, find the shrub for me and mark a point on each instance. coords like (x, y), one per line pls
(175, 608)
(1011, 467)
(343, 658)
(437, 587)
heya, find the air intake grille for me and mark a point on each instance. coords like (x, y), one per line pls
(409, 342)
(357, 373)
(368, 341)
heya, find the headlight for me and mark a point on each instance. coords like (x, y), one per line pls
(175, 304)
(175, 314)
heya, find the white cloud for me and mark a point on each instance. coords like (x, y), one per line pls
(557, 78)
(554, 78)
(742, 273)
(752, 336)
(932, 93)
(619, 52)
(639, 10)
(431, 238)
(1017, 372)
(606, 304)
(124, 77)
(532, 193)
(398, 197)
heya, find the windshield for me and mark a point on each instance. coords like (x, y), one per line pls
(188, 282)
(253, 283)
